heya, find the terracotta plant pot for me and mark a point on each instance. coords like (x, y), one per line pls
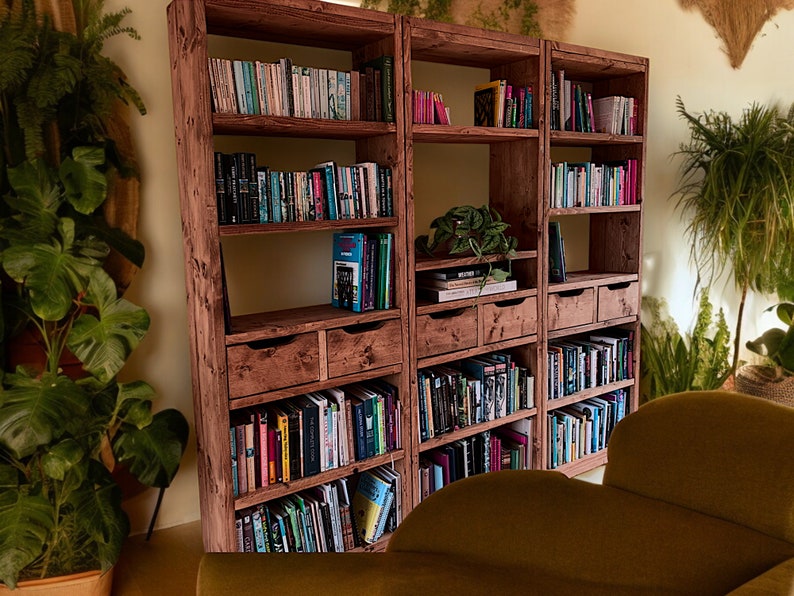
(88, 583)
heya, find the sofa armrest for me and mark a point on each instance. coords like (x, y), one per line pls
(778, 580)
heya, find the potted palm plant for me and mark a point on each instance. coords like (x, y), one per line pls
(61, 435)
(737, 187)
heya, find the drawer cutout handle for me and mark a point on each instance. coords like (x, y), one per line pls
(509, 303)
(619, 286)
(362, 327)
(274, 342)
(571, 293)
(447, 314)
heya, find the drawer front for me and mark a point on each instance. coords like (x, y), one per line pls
(510, 319)
(448, 331)
(569, 309)
(361, 347)
(618, 300)
(272, 364)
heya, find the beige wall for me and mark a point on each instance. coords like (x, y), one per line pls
(685, 59)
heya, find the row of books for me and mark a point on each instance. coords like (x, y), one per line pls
(576, 364)
(313, 433)
(247, 193)
(586, 184)
(324, 518)
(281, 88)
(363, 271)
(507, 447)
(498, 103)
(573, 108)
(584, 428)
(474, 390)
(429, 108)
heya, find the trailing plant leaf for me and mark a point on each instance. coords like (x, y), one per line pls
(153, 453)
(25, 521)
(62, 458)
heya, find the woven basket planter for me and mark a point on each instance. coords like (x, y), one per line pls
(763, 381)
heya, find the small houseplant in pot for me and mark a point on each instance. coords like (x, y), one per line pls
(775, 378)
(478, 231)
(60, 435)
(737, 187)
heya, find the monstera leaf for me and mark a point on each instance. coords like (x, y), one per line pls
(55, 273)
(35, 411)
(104, 342)
(86, 186)
(98, 514)
(25, 524)
(153, 452)
(34, 203)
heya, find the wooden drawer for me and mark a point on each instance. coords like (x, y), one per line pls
(272, 364)
(509, 319)
(447, 331)
(362, 347)
(571, 308)
(618, 300)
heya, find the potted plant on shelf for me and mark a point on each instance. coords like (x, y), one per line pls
(477, 231)
(62, 434)
(775, 378)
(737, 185)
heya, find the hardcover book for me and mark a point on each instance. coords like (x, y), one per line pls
(348, 269)
(556, 254)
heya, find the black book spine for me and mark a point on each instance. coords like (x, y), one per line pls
(253, 187)
(220, 187)
(232, 190)
(243, 187)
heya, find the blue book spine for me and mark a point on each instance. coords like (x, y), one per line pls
(275, 197)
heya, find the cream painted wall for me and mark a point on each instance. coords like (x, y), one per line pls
(685, 59)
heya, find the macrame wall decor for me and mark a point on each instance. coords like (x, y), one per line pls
(737, 22)
(548, 19)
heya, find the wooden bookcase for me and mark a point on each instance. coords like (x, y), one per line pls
(301, 331)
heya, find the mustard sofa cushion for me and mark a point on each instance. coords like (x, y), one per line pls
(724, 454)
(546, 527)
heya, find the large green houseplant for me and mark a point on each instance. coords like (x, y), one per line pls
(737, 187)
(61, 435)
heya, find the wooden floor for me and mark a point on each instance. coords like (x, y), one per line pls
(165, 564)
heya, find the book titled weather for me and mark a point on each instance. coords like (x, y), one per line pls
(348, 266)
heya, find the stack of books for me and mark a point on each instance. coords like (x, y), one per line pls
(458, 283)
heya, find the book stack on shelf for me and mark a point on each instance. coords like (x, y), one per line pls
(583, 428)
(429, 108)
(574, 108)
(376, 504)
(314, 520)
(248, 193)
(580, 363)
(363, 271)
(283, 89)
(309, 434)
(498, 103)
(503, 448)
(586, 184)
(458, 283)
(472, 391)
